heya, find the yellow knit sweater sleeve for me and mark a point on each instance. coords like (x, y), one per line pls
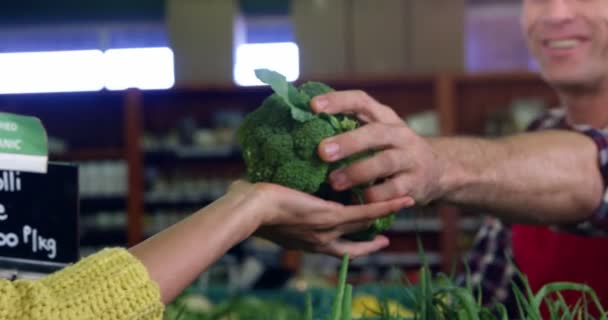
(111, 284)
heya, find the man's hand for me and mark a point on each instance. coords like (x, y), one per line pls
(298, 220)
(406, 162)
(547, 177)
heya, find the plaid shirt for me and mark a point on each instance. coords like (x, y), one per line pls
(490, 256)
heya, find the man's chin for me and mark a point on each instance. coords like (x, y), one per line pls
(568, 81)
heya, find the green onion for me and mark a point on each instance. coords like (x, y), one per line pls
(308, 315)
(347, 304)
(337, 306)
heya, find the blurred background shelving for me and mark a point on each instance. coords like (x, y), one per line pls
(148, 158)
(182, 154)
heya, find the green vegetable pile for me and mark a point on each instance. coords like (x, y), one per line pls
(433, 298)
(279, 143)
(196, 307)
(439, 298)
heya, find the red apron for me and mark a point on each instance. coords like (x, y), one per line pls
(546, 256)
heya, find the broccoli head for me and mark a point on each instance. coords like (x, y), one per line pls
(279, 142)
(278, 149)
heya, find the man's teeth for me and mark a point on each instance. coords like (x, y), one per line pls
(563, 44)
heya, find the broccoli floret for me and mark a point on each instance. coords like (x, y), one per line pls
(278, 149)
(252, 146)
(259, 173)
(291, 174)
(380, 225)
(313, 89)
(307, 136)
(273, 116)
(279, 143)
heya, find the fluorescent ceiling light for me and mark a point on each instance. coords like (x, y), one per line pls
(57, 71)
(86, 70)
(143, 68)
(283, 57)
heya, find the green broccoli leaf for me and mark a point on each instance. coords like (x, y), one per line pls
(301, 115)
(287, 91)
(277, 82)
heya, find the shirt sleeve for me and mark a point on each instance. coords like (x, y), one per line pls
(597, 223)
(111, 284)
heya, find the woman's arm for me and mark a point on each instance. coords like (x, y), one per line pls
(118, 284)
(175, 257)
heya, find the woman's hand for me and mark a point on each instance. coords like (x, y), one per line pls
(298, 220)
(177, 255)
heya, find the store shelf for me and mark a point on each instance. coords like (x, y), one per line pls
(160, 204)
(89, 250)
(398, 259)
(89, 154)
(178, 154)
(104, 221)
(90, 204)
(195, 194)
(432, 225)
(114, 237)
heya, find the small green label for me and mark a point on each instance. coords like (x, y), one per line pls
(23, 143)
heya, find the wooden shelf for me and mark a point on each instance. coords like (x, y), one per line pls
(498, 77)
(90, 204)
(398, 259)
(160, 155)
(357, 82)
(115, 237)
(89, 155)
(432, 225)
(166, 204)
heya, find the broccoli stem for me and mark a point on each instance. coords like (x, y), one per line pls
(359, 194)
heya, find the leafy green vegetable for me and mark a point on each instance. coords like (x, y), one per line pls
(309, 313)
(433, 298)
(336, 313)
(290, 95)
(242, 308)
(347, 304)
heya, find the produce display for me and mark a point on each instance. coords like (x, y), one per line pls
(279, 144)
(434, 297)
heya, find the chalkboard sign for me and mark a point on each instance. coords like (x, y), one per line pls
(39, 217)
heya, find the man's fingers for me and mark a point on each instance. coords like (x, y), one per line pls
(381, 165)
(339, 248)
(358, 213)
(296, 198)
(353, 227)
(390, 189)
(373, 136)
(323, 238)
(354, 101)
